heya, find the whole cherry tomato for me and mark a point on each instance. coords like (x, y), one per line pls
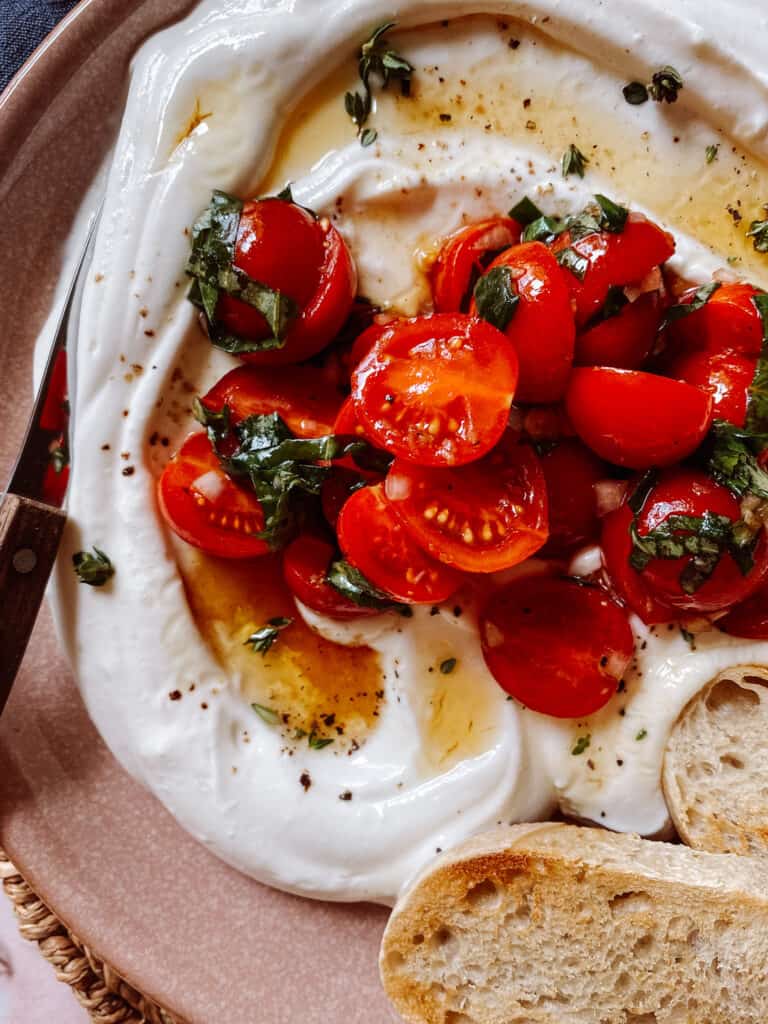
(483, 517)
(728, 321)
(726, 376)
(462, 260)
(436, 390)
(375, 541)
(299, 394)
(613, 259)
(305, 568)
(541, 327)
(624, 340)
(628, 584)
(571, 471)
(557, 646)
(282, 246)
(207, 509)
(637, 419)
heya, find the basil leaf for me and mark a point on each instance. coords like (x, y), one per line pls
(757, 403)
(615, 301)
(353, 585)
(574, 161)
(571, 260)
(216, 423)
(732, 459)
(665, 85)
(496, 297)
(758, 232)
(263, 639)
(543, 229)
(525, 212)
(93, 569)
(700, 298)
(635, 93)
(613, 217)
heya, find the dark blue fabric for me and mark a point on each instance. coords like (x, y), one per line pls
(24, 24)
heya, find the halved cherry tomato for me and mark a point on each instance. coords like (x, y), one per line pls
(483, 517)
(462, 258)
(436, 390)
(346, 421)
(748, 619)
(624, 340)
(207, 509)
(54, 414)
(555, 645)
(685, 492)
(542, 328)
(364, 342)
(340, 483)
(613, 258)
(305, 567)
(637, 419)
(728, 321)
(571, 471)
(726, 376)
(628, 584)
(298, 393)
(284, 247)
(375, 541)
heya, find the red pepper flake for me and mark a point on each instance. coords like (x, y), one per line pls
(306, 780)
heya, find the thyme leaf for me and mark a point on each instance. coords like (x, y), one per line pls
(93, 569)
(263, 639)
(574, 161)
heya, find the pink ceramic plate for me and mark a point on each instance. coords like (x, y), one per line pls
(202, 940)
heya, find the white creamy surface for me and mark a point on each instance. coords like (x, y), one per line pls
(136, 640)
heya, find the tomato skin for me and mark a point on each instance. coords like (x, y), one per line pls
(436, 390)
(305, 566)
(571, 471)
(692, 493)
(628, 584)
(223, 525)
(748, 619)
(375, 541)
(558, 647)
(624, 340)
(619, 259)
(726, 376)
(496, 509)
(299, 394)
(283, 246)
(461, 260)
(637, 419)
(728, 320)
(542, 328)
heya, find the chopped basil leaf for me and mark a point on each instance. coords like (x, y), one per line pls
(635, 93)
(496, 298)
(211, 265)
(584, 224)
(376, 58)
(758, 232)
(543, 229)
(712, 151)
(615, 301)
(318, 742)
(525, 212)
(368, 137)
(574, 161)
(93, 569)
(570, 259)
(700, 298)
(665, 85)
(268, 715)
(216, 423)
(262, 640)
(447, 666)
(732, 459)
(757, 405)
(581, 744)
(613, 217)
(353, 585)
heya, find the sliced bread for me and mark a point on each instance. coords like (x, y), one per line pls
(715, 773)
(556, 924)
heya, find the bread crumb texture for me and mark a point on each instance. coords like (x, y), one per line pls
(716, 766)
(556, 924)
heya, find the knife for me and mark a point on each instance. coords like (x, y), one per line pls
(31, 517)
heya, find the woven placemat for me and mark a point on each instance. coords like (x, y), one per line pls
(97, 987)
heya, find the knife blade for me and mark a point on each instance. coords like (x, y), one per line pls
(31, 520)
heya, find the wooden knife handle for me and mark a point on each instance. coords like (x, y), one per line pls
(30, 534)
